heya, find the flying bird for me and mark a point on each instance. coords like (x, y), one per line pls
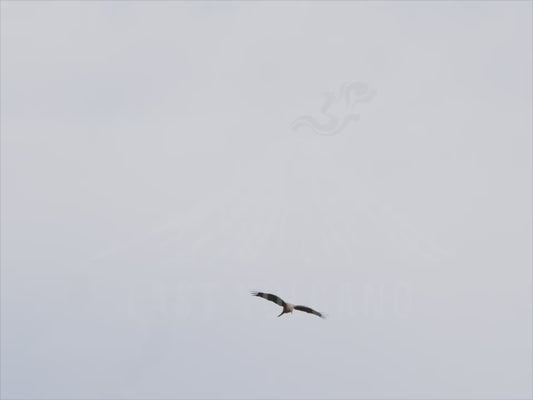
(287, 307)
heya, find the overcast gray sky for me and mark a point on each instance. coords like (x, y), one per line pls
(370, 160)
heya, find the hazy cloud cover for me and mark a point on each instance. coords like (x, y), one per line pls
(152, 176)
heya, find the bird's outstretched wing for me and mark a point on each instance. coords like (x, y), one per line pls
(270, 297)
(309, 310)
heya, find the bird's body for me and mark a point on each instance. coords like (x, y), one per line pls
(287, 307)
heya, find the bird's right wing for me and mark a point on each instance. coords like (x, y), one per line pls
(271, 297)
(309, 310)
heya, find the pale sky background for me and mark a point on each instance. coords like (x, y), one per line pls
(151, 178)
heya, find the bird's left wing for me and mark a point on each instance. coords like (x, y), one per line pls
(271, 297)
(309, 310)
